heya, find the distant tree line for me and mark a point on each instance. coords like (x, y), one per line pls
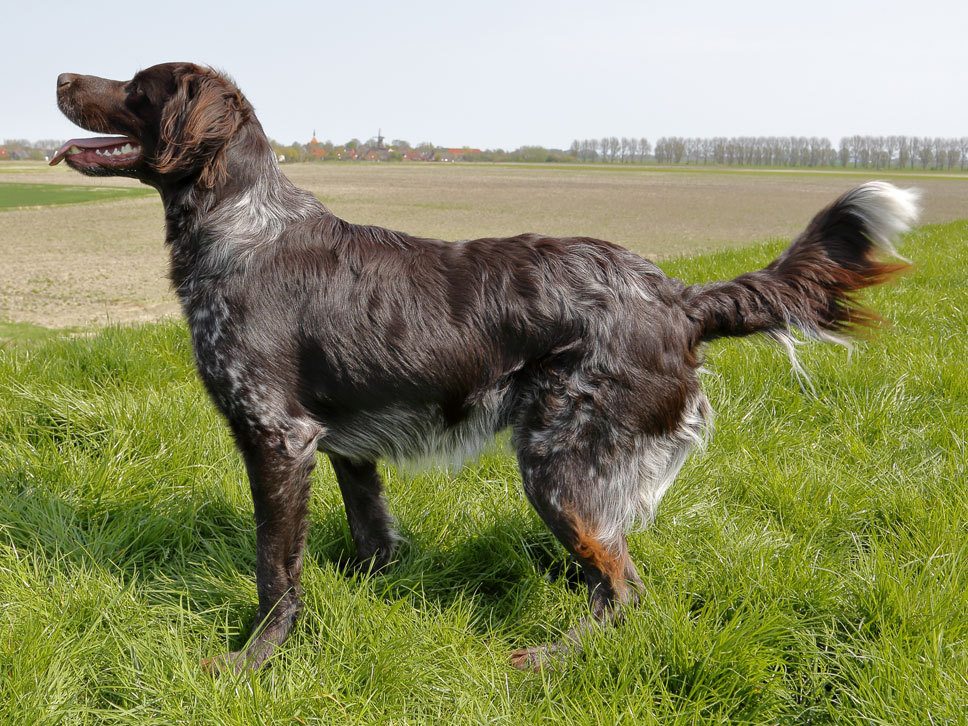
(786, 151)
(900, 152)
(857, 152)
(611, 149)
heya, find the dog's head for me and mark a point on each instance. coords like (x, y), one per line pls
(173, 122)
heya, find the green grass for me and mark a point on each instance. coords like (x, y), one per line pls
(25, 334)
(13, 195)
(810, 567)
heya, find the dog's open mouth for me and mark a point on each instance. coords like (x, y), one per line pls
(113, 152)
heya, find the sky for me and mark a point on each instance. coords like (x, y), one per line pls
(502, 74)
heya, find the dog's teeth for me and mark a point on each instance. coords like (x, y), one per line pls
(116, 152)
(126, 149)
(99, 152)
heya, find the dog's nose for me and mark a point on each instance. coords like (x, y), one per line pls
(65, 79)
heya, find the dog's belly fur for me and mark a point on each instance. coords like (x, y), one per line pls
(418, 436)
(626, 485)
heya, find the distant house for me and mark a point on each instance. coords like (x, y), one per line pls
(371, 153)
(3, 152)
(376, 150)
(316, 150)
(458, 154)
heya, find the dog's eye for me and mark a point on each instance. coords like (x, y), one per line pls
(134, 90)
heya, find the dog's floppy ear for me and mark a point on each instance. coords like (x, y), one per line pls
(197, 123)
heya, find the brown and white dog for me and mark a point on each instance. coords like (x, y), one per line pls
(315, 334)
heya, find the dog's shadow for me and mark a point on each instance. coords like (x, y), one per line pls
(497, 569)
(205, 550)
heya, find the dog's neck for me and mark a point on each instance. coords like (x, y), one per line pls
(212, 232)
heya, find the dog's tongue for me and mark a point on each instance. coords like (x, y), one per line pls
(97, 142)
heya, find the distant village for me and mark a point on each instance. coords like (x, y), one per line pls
(375, 149)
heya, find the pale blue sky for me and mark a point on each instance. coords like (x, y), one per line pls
(503, 74)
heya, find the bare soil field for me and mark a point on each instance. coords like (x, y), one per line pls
(93, 264)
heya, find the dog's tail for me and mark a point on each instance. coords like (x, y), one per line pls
(812, 285)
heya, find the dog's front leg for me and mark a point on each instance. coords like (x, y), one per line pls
(279, 464)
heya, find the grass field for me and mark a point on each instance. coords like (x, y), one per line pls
(41, 195)
(811, 567)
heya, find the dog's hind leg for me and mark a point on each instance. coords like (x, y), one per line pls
(572, 493)
(279, 462)
(366, 510)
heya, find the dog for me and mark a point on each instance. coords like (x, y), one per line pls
(314, 334)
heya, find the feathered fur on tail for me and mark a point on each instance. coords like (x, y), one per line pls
(811, 286)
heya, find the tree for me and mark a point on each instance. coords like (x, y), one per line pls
(678, 149)
(893, 146)
(719, 150)
(613, 146)
(925, 156)
(903, 151)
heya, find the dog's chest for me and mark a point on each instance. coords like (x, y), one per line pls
(214, 343)
(245, 389)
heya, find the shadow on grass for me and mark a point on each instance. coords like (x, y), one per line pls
(199, 552)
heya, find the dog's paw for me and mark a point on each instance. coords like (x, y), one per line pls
(525, 659)
(539, 658)
(233, 662)
(236, 662)
(377, 560)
